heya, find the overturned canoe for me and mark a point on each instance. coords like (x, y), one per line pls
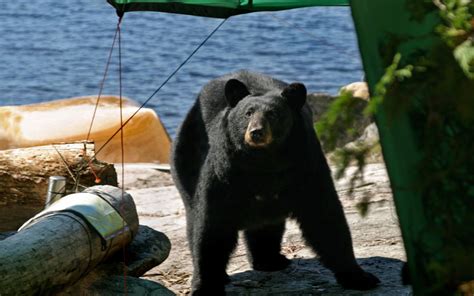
(67, 120)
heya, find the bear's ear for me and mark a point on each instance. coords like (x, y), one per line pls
(295, 94)
(235, 91)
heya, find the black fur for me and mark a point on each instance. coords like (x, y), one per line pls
(227, 186)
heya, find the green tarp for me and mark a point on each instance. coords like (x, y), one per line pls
(217, 8)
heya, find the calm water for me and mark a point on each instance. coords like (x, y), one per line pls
(53, 49)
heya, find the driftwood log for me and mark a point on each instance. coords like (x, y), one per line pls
(24, 175)
(60, 248)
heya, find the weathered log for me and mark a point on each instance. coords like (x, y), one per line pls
(148, 249)
(24, 175)
(58, 249)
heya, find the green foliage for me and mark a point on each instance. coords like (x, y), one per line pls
(457, 20)
(464, 54)
(436, 88)
(393, 74)
(354, 154)
(457, 31)
(338, 118)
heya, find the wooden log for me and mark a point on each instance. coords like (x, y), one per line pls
(24, 175)
(58, 249)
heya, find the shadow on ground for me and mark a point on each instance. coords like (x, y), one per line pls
(309, 277)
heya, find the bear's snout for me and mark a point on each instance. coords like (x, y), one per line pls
(258, 133)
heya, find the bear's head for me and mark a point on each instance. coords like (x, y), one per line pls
(262, 120)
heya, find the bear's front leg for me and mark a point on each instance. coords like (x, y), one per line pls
(213, 242)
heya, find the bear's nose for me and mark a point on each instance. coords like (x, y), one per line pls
(256, 134)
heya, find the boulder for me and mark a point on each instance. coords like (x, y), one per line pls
(320, 102)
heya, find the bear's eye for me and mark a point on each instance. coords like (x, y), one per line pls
(249, 112)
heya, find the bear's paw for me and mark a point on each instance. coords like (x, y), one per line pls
(357, 280)
(271, 264)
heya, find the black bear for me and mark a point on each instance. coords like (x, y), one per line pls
(246, 158)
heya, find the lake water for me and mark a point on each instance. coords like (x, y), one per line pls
(53, 49)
